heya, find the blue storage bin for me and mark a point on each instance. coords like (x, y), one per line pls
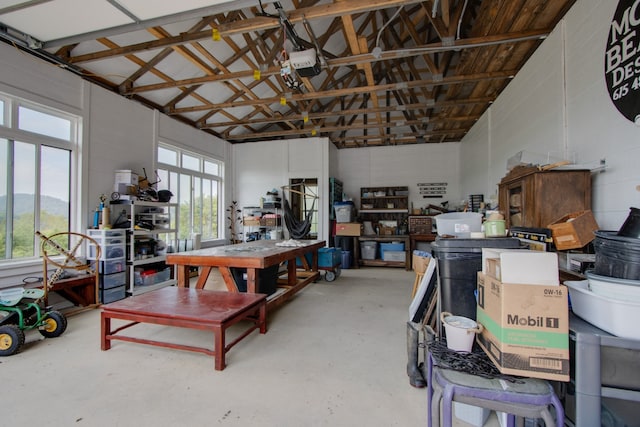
(390, 247)
(329, 257)
(345, 263)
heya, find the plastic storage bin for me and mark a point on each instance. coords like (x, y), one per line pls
(344, 211)
(113, 294)
(344, 242)
(368, 250)
(396, 247)
(395, 256)
(108, 281)
(100, 235)
(329, 257)
(109, 251)
(162, 275)
(459, 261)
(111, 266)
(149, 278)
(346, 260)
(618, 317)
(459, 224)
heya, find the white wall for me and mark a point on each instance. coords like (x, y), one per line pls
(116, 133)
(559, 103)
(262, 166)
(403, 165)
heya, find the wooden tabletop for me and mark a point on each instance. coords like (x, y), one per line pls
(187, 304)
(257, 254)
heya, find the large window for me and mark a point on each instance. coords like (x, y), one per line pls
(37, 147)
(196, 183)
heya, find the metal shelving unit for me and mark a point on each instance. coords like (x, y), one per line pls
(148, 223)
(605, 377)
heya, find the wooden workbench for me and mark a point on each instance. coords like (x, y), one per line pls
(253, 256)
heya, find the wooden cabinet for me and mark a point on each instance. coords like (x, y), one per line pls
(529, 197)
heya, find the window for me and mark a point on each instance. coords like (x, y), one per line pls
(2, 109)
(196, 183)
(43, 123)
(37, 147)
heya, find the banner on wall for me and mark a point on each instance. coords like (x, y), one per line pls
(622, 59)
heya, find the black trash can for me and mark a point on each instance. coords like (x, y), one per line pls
(459, 261)
(344, 242)
(267, 279)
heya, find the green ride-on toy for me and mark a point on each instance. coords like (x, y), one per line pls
(20, 311)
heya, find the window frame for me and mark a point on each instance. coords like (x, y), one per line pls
(178, 171)
(10, 132)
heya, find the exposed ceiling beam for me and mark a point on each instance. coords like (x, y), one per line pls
(357, 59)
(308, 131)
(358, 111)
(260, 23)
(351, 91)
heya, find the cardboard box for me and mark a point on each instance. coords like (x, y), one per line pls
(387, 231)
(526, 328)
(521, 266)
(420, 263)
(125, 176)
(270, 221)
(574, 230)
(348, 229)
(251, 221)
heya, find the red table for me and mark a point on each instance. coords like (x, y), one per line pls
(187, 308)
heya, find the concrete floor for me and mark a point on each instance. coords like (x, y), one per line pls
(334, 355)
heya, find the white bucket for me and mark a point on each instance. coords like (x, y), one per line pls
(274, 235)
(461, 331)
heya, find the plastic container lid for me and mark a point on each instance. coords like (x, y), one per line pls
(474, 245)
